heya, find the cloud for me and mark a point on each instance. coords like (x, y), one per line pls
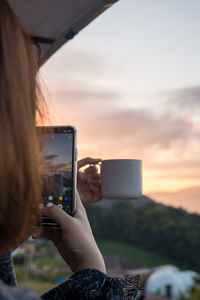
(165, 141)
(86, 97)
(105, 128)
(185, 99)
(73, 66)
(166, 138)
(139, 128)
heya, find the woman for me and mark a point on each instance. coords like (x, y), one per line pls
(20, 189)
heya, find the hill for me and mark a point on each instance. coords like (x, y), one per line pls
(158, 228)
(188, 199)
(144, 200)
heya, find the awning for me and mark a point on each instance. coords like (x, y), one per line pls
(52, 23)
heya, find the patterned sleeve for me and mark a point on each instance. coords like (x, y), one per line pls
(92, 284)
(7, 274)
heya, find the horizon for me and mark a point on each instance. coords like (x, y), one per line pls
(175, 191)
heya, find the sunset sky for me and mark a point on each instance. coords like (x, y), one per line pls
(130, 83)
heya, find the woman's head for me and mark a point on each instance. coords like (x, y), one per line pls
(20, 184)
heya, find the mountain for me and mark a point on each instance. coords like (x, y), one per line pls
(188, 199)
(144, 200)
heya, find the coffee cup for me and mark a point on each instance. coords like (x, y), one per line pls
(121, 178)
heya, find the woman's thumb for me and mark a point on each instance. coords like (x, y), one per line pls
(57, 214)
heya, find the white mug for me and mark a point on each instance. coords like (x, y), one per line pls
(121, 178)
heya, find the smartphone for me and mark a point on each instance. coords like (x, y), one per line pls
(59, 168)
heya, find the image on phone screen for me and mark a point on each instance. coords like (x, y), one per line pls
(58, 170)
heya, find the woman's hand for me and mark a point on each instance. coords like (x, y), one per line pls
(74, 240)
(89, 181)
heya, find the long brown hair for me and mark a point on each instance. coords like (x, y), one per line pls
(20, 182)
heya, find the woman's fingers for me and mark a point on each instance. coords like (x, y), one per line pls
(93, 176)
(58, 215)
(79, 206)
(92, 170)
(95, 189)
(84, 176)
(87, 161)
(96, 182)
(51, 233)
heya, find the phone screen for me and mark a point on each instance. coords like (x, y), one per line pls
(58, 170)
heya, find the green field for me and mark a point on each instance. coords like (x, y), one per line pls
(40, 287)
(52, 267)
(144, 257)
